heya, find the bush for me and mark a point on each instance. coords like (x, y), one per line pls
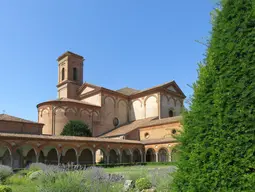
(35, 175)
(143, 183)
(5, 171)
(5, 188)
(37, 166)
(76, 128)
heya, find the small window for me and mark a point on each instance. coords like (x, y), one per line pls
(171, 113)
(173, 131)
(63, 74)
(146, 135)
(75, 74)
(115, 121)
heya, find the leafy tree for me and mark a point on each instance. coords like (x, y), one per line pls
(218, 139)
(76, 128)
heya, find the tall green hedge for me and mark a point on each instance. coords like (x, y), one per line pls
(218, 141)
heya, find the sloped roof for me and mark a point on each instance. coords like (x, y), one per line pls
(5, 117)
(67, 100)
(162, 121)
(128, 91)
(142, 123)
(155, 141)
(65, 138)
(122, 130)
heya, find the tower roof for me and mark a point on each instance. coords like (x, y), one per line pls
(69, 53)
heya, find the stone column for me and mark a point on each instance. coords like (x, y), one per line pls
(94, 157)
(144, 160)
(77, 159)
(59, 157)
(156, 156)
(108, 159)
(120, 158)
(131, 158)
(37, 157)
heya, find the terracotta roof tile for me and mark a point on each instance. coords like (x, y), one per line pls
(5, 117)
(155, 141)
(68, 100)
(128, 128)
(127, 91)
(162, 121)
(66, 138)
(122, 130)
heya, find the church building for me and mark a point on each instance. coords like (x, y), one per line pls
(131, 120)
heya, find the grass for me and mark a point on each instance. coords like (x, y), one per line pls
(134, 168)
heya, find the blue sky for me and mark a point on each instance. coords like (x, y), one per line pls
(134, 43)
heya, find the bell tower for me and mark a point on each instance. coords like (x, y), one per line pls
(70, 74)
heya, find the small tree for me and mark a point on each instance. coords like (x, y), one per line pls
(76, 128)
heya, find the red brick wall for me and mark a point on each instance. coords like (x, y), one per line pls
(18, 127)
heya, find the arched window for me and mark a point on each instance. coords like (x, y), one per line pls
(63, 74)
(75, 74)
(170, 113)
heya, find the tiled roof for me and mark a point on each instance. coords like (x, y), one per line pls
(152, 121)
(5, 117)
(128, 128)
(68, 100)
(130, 91)
(127, 91)
(162, 121)
(66, 138)
(155, 141)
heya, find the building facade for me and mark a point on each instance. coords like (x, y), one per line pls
(150, 118)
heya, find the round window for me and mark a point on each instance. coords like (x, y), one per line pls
(146, 135)
(115, 121)
(173, 131)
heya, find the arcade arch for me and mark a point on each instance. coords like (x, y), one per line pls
(150, 155)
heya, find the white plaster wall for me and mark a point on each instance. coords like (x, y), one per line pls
(94, 100)
(136, 109)
(178, 107)
(167, 103)
(62, 91)
(171, 88)
(151, 106)
(87, 89)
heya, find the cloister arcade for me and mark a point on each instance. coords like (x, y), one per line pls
(20, 153)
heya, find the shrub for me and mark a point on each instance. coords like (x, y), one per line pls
(76, 128)
(217, 143)
(37, 166)
(5, 188)
(5, 171)
(35, 175)
(143, 183)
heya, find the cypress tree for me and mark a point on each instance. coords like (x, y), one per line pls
(218, 139)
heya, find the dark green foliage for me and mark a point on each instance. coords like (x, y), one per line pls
(218, 140)
(5, 188)
(143, 183)
(76, 128)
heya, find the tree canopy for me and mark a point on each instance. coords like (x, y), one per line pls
(218, 143)
(76, 128)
